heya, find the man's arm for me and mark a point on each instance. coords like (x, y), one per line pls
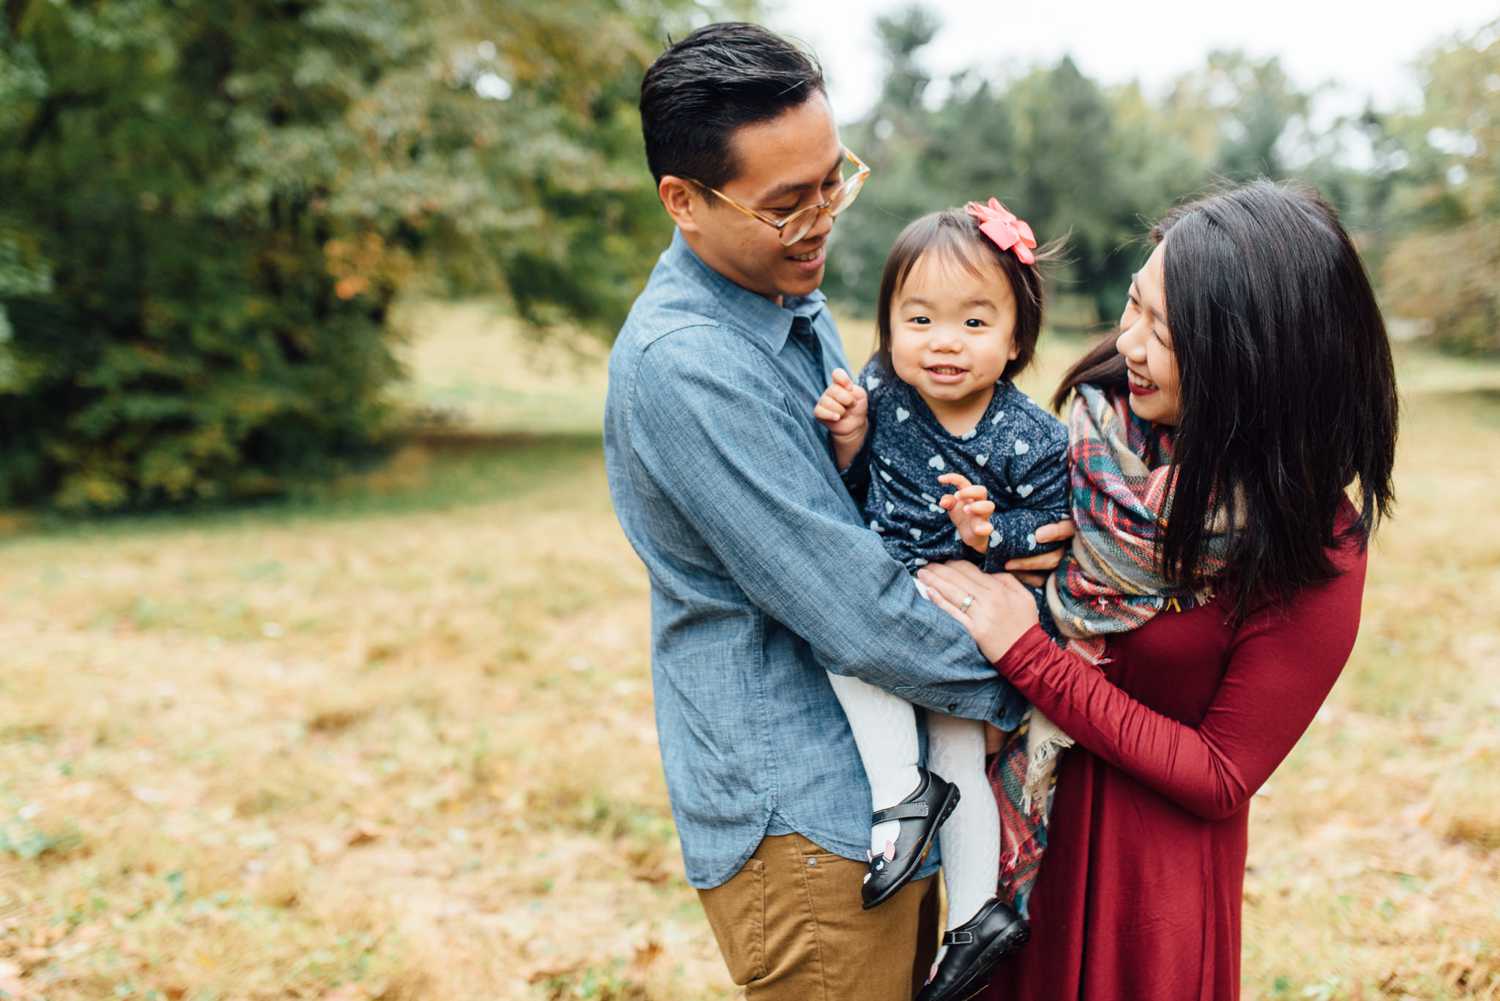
(719, 440)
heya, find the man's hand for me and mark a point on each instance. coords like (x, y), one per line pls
(844, 410)
(969, 508)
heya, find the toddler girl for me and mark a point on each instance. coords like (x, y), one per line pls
(960, 310)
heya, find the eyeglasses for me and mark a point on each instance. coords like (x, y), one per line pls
(797, 225)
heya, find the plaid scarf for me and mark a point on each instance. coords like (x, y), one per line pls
(1109, 582)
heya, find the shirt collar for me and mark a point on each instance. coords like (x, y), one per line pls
(747, 311)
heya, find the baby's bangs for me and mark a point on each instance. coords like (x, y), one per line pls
(953, 245)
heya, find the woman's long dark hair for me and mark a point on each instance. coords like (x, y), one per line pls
(1288, 391)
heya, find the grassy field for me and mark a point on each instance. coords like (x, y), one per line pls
(397, 742)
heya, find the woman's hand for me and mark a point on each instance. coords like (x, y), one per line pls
(1033, 570)
(1001, 610)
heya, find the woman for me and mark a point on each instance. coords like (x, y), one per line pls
(1218, 567)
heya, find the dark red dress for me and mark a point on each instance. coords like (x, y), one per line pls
(1139, 894)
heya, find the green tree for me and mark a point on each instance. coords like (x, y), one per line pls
(559, 147)
(1245, 117)
(1075, 160)
(1445, 268)
(209, 207)
(896, 139)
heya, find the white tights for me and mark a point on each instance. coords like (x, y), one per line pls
(885, 731)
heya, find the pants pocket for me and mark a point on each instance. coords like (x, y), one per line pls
(737, 914)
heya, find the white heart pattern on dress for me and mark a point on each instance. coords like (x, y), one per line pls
(902, 414)
(1025, 490)
(982, 459)
(889, 507)
(1021, 447)
(872, 383)
(999, 416)
(876, 525)
(884, 475)
(936, 462)
(916, 533)
(1030, 540)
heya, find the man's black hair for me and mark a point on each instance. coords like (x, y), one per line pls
(716, 80)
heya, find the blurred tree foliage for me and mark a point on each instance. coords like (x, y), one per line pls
(1446, 194)
(207, 208)
(1089, 164)
(1420, 190)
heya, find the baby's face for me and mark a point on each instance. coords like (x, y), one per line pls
(952, 331)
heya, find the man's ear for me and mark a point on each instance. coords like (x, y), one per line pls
(677, 197)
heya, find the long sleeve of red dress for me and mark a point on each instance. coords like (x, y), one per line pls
(1139, 894)
(1282, 664)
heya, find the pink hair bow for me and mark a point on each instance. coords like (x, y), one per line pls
(1001, 225)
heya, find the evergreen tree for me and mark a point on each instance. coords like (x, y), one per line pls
(207, 208)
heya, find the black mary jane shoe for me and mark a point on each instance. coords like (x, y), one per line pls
(974, 948)
(921, 814)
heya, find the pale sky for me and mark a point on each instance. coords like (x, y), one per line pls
(1367, 48)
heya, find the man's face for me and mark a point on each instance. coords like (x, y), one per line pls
(784, 164)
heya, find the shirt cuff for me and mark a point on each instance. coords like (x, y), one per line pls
(1010, 707)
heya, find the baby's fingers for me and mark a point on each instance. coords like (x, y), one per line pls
(842, 394)
(841, 378)
(958, 480)
(828, 410)
(981, 509)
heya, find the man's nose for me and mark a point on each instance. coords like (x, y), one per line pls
(822, 227)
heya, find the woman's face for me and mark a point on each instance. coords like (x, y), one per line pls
(1146, 342)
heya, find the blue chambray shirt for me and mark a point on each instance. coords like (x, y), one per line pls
(762, 572)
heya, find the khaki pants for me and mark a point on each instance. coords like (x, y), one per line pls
(791, 928)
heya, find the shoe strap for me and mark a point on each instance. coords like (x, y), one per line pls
(959, 938)
(901, 811)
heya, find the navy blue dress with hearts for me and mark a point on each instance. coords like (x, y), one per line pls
(1017, 451)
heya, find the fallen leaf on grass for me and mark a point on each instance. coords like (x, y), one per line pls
(363, 834)
(344, 992)
(11, 987)
(536, 974)
(646, 954)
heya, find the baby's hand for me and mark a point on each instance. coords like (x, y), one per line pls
(969, 508)
(844, 410)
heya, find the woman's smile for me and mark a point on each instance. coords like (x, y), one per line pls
(1140, 385)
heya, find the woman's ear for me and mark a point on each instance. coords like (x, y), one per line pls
(677, 198)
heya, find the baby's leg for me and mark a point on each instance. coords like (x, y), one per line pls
(970, 840)
(885, 731)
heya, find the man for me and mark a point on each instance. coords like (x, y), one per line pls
(762, 572)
